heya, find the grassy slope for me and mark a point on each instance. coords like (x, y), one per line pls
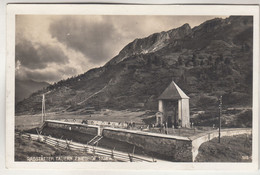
(231, 149)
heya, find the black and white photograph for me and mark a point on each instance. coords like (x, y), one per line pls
(157, 88)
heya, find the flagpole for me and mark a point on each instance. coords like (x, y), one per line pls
(44, 107)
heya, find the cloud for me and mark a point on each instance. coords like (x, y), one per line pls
(47, 76)
(50, 74)
(24, 73)
(42, 62)
(94, 38)
(67, 70)
(38, 56)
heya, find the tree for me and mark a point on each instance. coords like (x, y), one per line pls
(227, 61)
(194, 60)
(180, 61)
(210, 60)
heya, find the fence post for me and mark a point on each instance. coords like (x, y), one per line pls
(29, 137)
(93, 151)
(130, 158)
(38, 138)
(153, 159)
(133, 150)
(112, 154)
(68, 145)
(57, 144)
(85, 149)
(45, 139)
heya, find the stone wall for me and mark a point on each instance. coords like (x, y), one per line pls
(83, 128)
(175, 147)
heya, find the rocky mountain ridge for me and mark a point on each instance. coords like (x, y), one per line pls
(151, 43)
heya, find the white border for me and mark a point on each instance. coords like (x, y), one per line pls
(126, 10)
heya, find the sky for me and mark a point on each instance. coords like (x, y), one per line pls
(54, 47)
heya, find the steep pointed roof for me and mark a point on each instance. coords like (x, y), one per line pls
(172, 92)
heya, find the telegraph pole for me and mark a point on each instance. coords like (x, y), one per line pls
(220, 113)
(43, 108)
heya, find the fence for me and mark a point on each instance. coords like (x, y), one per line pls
(87, 149)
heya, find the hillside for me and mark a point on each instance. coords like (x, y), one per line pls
(231, 149)
(212, 59)
(24, 88)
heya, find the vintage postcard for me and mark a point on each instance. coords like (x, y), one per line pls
(160, 87)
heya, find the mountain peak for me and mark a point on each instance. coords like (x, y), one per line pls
(152, 43)
(186, 26)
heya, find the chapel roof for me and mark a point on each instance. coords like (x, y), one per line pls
(173, 92)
